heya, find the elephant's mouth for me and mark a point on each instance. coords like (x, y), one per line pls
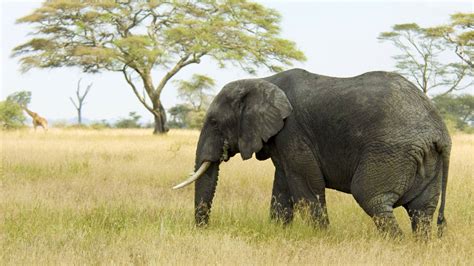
(225, 152)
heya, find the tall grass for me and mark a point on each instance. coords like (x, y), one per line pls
(104, 197)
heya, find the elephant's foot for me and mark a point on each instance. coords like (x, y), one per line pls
(201, 215)
(421, 224)
(314, 213)
(281, 214)
(319, 215)
(320, 223)
(387, 225)
(281, 205)
(421, 210)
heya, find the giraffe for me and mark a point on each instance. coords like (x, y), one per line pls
(37, 120)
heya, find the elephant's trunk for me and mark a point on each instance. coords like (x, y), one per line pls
(208, 156)
(205, 187)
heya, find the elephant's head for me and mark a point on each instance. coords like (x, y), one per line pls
(242, 117)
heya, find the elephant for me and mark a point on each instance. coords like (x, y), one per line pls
(375, 136)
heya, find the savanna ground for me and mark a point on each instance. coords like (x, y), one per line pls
(104, 197)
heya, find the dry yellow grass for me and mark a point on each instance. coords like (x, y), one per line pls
(104, 197)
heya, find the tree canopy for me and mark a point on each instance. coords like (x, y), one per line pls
(197, 96)
(22, 98)
(135, 37)
(419, 59)
(459, 34)
(197, 92)
(179, 115)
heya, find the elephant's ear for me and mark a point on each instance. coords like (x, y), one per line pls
(264, 106)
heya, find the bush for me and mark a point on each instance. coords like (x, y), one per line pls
(11, 115)
(184, 116)
(178, 114)
(100, 125)
(195, 119)
(131, 122)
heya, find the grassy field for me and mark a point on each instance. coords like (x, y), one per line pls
(104, 197)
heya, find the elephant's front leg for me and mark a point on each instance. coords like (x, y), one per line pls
(311, 196)
(304, 177)
(281, 207)
(307, 185)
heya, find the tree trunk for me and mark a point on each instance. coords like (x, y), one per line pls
(159, 114)
(79, 117)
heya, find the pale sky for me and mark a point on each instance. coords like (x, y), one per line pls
(338, 38)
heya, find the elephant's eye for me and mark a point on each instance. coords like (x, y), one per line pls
(213, 122)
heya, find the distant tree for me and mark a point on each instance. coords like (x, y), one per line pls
(197, 92)
(22, 98)
(130, 122)
(134, 37)
(459, 34)
(11, 115)
(419, 59)
(197, 95)
(178, 115)
(458, 108)
(79, 101)
(11, 110)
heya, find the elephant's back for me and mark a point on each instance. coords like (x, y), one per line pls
(371, 104)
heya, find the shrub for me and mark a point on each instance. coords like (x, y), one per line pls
(11, 115)
(130, 122)
(103, 124)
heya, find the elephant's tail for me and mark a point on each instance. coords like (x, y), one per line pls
(445, 152)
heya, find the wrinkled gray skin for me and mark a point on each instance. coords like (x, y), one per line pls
(375, 136)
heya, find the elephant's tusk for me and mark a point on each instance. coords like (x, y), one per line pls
(194, 176)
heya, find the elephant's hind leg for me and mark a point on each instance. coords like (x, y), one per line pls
(380, 208)
(378, 184)
(422, 207)
(382, 214)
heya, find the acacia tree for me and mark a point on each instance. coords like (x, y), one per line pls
(458, 34)
(22, 98)
(136, 37)
(419, 59)
(79, 102)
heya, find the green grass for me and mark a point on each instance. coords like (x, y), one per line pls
(104, 197)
